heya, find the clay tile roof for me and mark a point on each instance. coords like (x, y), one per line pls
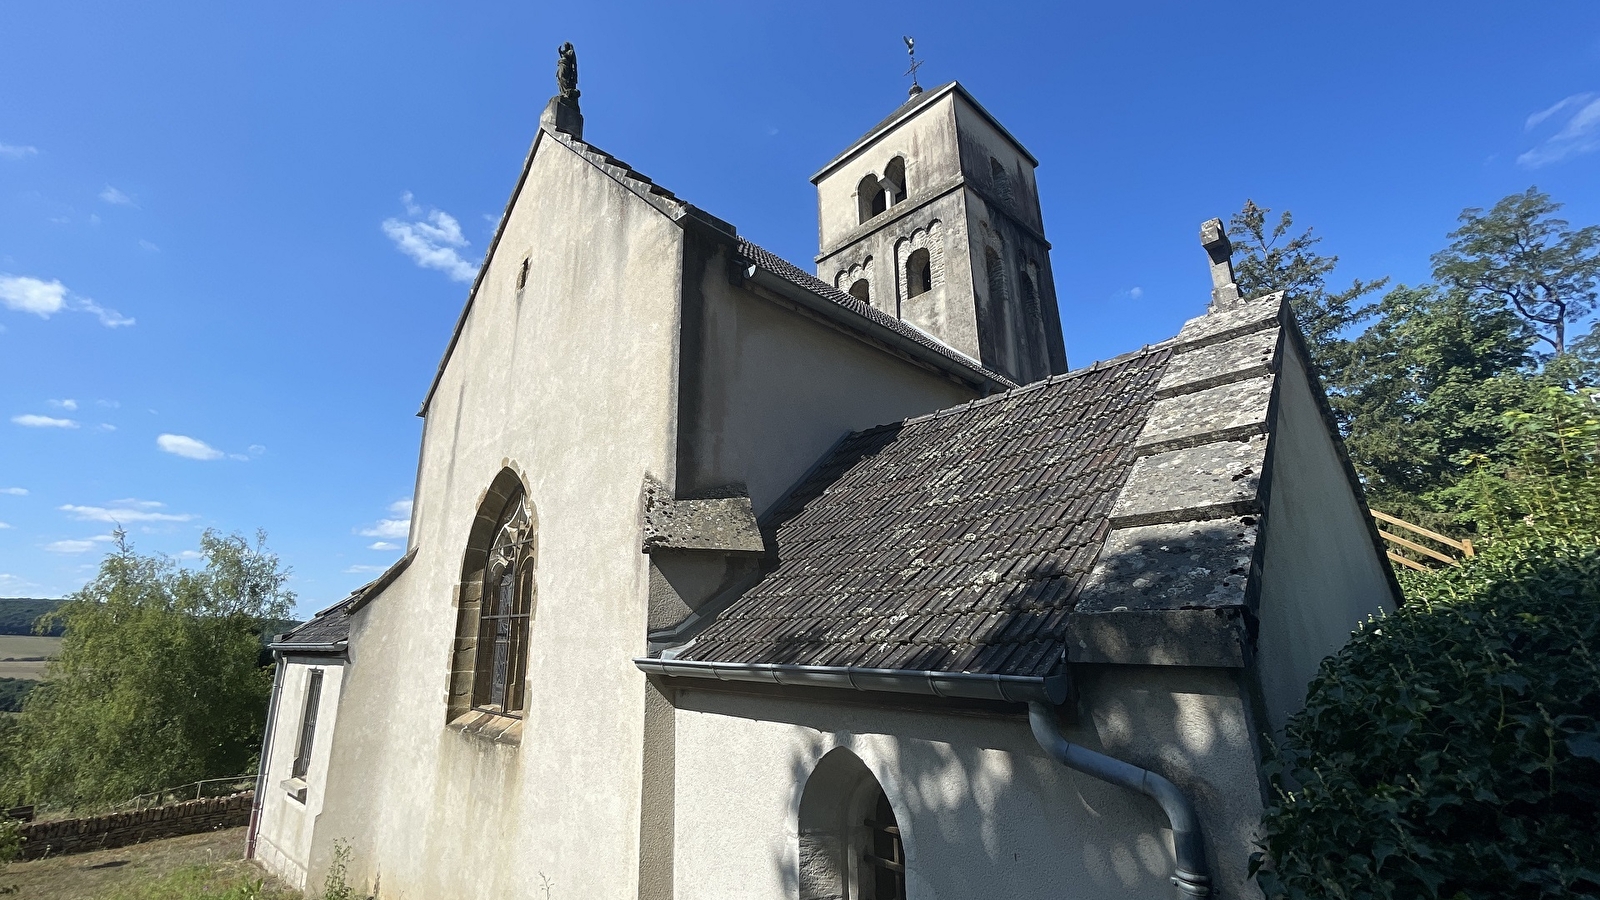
(951, 542)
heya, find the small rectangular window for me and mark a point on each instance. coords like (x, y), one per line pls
(308, 725)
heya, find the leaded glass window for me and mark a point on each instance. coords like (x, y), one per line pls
(508, 588)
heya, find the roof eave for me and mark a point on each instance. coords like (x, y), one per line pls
(1052, 689)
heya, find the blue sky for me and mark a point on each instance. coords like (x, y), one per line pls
(234, 240)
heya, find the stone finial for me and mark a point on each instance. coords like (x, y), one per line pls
(561, 113)
(1214, 238)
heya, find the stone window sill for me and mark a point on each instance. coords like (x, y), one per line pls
(295, 788)
(499, 729)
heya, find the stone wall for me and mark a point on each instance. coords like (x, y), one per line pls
(120, 829)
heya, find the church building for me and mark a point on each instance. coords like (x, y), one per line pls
(730, 580)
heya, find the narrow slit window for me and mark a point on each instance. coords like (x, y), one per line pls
(308, 726)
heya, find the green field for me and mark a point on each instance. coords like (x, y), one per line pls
(25, 655)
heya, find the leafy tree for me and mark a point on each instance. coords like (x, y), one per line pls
(1428, 381)
(1546, 477)
(1520, 255)
(160, 678)
(1452, 748)
(1267, 259)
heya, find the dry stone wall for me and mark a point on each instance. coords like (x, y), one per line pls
(136, 826)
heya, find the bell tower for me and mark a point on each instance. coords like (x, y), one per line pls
(933, 217)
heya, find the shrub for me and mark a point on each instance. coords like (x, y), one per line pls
(1452, 748)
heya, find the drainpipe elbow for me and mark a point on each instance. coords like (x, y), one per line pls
(1192, 875)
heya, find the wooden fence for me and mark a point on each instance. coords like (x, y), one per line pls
(1451, 555)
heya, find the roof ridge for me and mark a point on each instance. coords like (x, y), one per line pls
(1096, 366)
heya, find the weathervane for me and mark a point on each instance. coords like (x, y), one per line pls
(911, 51)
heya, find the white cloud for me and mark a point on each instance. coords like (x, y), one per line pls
(115, 197)
(4, 526)
(1578, 134)
(31, 421)
(256, 449)
(187, 447)
(110, 318)
(78, 546)
(148, 246)
(14, 491)
(432, 239)
(190, 554)
(388, 528)
(46, 298)
(365, 570)
(125, 511)
(108, 404)
(17, 151)
(23, 294)
(375, 545)
(68, 404)
(107, 426)
(401, 508)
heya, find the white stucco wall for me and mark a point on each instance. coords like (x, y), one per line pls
(571, 383)
(983, 811)
(778, 389)
(287, 826)
(1322, 575)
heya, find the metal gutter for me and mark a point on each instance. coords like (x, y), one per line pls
(326, 647)
(1052, 689)
(839, 315)
(1192, 874)
(263, 761)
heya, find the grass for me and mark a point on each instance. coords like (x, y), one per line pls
(26, 655)
(205, 866)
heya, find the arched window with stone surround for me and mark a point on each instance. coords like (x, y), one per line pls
(919, 272)
(894, 179)
(862, 290)
(850, 842)
(870, 197)
(1001, 179)
(497, 603)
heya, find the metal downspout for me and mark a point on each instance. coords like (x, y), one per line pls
(266, 757)
(1191, 876)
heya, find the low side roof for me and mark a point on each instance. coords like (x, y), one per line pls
(329, 630)
(1109, 515)
(952, 542)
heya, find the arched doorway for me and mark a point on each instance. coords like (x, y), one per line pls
(850, 846)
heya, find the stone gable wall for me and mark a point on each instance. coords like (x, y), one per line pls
(136, 826)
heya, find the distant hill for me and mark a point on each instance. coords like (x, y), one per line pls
(17, 614)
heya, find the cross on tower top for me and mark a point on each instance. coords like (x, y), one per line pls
(911, 50)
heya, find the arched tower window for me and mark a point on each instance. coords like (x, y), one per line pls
(1001, 179)
(996, 274)
(871, 198)
(1030, 297)
(497, 601)
(861, 290)
(919, 272)
(894, 180)
(850, 843)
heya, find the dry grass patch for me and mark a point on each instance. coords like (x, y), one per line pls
(207, 866)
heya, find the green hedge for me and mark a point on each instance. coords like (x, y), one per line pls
(12, 692)
(1452, 748)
